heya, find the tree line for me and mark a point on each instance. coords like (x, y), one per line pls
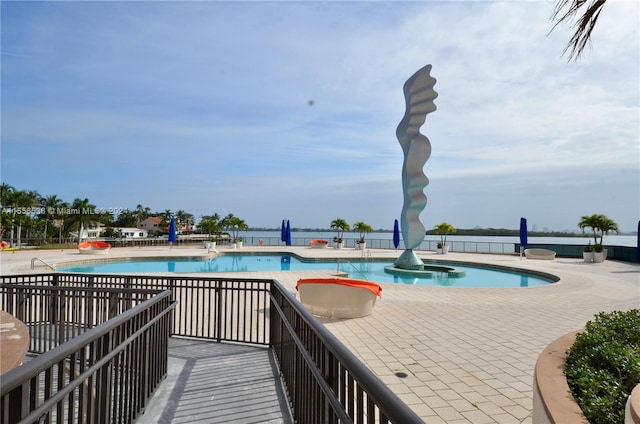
(27, 215)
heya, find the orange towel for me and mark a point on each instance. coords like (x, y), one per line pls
(372, 287)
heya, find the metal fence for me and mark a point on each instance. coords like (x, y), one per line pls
(106, 352)
(325, 382)
(622, 253)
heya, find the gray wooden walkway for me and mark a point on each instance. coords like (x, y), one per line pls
(211, 382)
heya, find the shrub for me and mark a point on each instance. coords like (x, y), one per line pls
(603, 365)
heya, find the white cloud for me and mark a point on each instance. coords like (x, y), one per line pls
(221, 91)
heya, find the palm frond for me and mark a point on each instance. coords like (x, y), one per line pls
(567, 10)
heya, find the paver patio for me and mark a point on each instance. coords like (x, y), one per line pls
(455, 355)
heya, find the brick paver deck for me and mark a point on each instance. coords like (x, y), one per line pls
(455, 355)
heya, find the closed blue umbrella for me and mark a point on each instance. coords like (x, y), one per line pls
(523, 234)
(288, 234)
(172, 231)
(396, 234)
(282, 232)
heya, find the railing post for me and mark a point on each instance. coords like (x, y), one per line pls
(112, 304)
(218, 293)
(20, 305)
(53, 303)
(18, 406)
(103, 383)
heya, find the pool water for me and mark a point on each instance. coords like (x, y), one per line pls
(371, 270)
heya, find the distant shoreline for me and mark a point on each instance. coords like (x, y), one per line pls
(490, 232)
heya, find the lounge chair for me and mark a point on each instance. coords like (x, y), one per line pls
(338, 297)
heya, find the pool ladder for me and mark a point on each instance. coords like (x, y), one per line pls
(33, 263)
(352, 266)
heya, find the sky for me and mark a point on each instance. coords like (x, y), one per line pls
(288, 110)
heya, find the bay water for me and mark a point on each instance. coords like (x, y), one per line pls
(609, 240)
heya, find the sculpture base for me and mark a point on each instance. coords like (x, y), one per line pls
(409, 264)
(426, 271)
(409, 260)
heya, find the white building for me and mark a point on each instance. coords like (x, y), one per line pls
(131, 233)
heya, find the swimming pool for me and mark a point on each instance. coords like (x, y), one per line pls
(372, 270)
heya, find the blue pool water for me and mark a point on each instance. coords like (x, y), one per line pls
(370, 270)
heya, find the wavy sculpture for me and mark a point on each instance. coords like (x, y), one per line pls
(419, 95)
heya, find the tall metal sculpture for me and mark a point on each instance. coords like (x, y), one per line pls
(419, 96)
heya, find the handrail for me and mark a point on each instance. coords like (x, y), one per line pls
(364, 277)
(33, 260)
(62, 352)
(390, 405)
(323, 377)
(315, 371)
(18, 376)
(97, 364)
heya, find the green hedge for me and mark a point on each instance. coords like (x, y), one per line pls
(603, 365)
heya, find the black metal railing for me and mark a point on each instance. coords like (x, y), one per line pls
(210, 308)
(325, 382)
(106, 352)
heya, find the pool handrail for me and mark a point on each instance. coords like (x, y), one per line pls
(339, 260)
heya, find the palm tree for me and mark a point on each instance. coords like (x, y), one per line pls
(600, 225)
(83, 215)
(128, 218)
(362, 228)
(5, 223)
(50, 204)
(58, 220)
(141, 214)
(443, 229)
(22, 202)
(235, 225)
(584, 25)
(341, 226)
(6, 201)
(5, 195)
(184, 220)
(210, 224)
(165, 217)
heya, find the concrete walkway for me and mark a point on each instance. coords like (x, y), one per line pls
(454, 355)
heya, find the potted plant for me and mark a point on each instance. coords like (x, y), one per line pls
(600, 225)
(235, 225)
(340, 225)
(599, 253)
(587, 253)
(362, 228)
(442, 230)
(211, 226)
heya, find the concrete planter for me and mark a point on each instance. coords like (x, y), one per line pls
(552, 399)
(599, 257)
(632, 410)
(587, 257)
